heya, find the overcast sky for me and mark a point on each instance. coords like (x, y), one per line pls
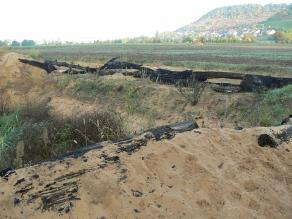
(86, 20)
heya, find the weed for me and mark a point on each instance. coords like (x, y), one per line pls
(133, 97)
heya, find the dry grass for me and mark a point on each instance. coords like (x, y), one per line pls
(41, 136)
(4, 103)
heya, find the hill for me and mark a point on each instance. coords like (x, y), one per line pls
(281, 20)
(239, 17)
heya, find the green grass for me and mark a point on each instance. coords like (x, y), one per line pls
(268, 108)
(123, 93)
(91, 87)
(9, 127)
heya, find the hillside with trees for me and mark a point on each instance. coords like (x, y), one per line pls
(281, 20)
(240, 20)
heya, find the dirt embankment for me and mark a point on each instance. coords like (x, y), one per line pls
(21, 82)
(24, 84)
(204, 173)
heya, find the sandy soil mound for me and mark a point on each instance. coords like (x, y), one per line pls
(204, 173)
(23, 84)
(20, 81)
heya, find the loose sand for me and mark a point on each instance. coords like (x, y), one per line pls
(205, 173)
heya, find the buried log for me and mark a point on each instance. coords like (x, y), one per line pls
(133, 144)
(249, 83)
(274, 140)
(285, 135)
(287, 121)
(114, 63)
(159, 133)
(46, 65)
(6, 172)
(60, 193)
(266, 140)
(258, 82)
(51, 66)
(163, 132)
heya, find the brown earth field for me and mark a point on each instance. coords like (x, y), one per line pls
(199, 58)
(254, 58)
(213, 172)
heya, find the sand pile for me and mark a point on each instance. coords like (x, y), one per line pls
(25, 84)
(204, 173)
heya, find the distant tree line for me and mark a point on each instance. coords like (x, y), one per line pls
(166, 37)
(247, 38)
(15, 43)
(4, 43)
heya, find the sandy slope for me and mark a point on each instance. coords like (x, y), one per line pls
(205, 173)
(23, 84)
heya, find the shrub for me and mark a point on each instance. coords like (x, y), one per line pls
(249, 38)
(35, 54)
(191, 89)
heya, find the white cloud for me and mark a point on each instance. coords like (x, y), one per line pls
(84, 20)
